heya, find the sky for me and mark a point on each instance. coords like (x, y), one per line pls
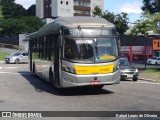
(131, 7)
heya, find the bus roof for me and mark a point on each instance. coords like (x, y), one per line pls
(71, 22)
(83, 21)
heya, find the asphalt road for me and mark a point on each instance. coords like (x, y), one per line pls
(22, 91)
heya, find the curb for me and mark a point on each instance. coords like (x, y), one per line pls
(149, 80)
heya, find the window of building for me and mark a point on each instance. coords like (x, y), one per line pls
(86, 4)
(62, 10)
(79, 3)
(67, 2)
(100, 6)
(78, 11)
(86, 12)
(61, 2)
(68, 10)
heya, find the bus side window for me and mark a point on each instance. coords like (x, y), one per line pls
(52, 40)
(69, 49)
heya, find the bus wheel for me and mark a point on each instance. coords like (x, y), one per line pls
(33, 68)
(51, 79)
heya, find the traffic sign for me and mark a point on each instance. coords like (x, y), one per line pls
(156, 44)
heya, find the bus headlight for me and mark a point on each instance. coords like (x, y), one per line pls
(68, 69)
(116, 67)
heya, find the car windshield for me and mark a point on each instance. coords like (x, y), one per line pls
(124, 62)
(90, 49)
(16, 54)
(154, 58)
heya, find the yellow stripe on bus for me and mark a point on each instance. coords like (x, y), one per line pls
(106, 57)
(87, 70)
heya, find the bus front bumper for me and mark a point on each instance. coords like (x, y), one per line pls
(72, 80)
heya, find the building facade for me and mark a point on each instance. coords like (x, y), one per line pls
(56, 8)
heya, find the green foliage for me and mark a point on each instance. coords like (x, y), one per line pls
(148, 23)
(2, 55)
(97, 12)
(1, 16)
(33, 23)
(119, 20)
(13, 27)
(31, 11)
(6, 2)
(151, 6)
(16, 20)
(109, 16)
(153, 70)
(13, 11)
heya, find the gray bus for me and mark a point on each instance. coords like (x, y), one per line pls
(76, 51)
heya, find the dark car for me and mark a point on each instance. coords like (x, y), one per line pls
(128, 70)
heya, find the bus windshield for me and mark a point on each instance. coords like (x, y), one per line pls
(90, 50)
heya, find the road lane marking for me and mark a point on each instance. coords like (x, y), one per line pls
(9, 67)
(16, 73)
(0, 68)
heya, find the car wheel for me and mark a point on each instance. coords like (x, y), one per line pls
(17, 61)
(135, 79)
(7, 62)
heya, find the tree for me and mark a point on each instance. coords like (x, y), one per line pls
(151, 6)
(147, 24)
(31, 11)
(119, 20)
(33, 23)
(109, 16)
(97, 12)
(15, 26)
(13, 11)
(7, 2)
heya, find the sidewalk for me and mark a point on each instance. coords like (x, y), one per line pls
(149, 76)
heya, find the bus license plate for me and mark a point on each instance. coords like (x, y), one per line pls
(94, 82)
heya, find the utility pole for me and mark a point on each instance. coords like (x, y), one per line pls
(145, 41)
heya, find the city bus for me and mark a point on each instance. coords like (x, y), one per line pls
(76, 51)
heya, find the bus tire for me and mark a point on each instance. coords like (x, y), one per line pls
(33, 69)
(51, 78)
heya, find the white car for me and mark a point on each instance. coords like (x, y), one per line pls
(153, 60)
(19, 57)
